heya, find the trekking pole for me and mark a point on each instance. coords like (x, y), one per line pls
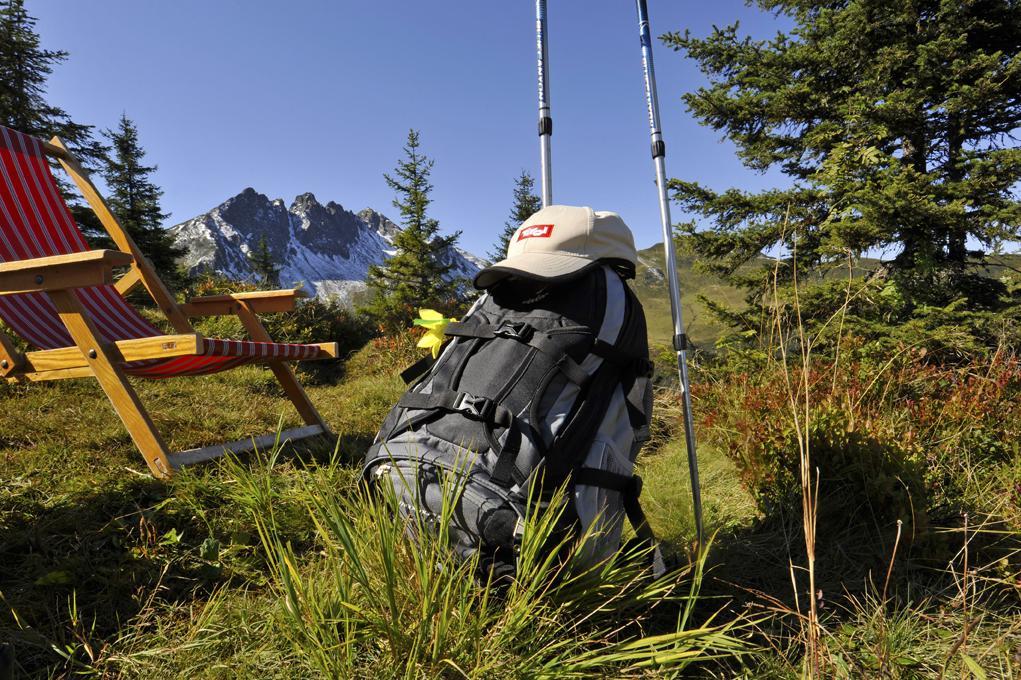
(545, 121)
(680, 339)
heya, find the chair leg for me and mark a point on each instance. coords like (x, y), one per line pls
(116, 386)
(296, 393)
(284, 375)
(10, 358)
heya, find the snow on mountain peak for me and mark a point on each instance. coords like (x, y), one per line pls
(324, 247)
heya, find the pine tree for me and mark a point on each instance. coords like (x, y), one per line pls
(24, 68)
(135, 200)
(263, 263)
(419, 273)
(526, 203)
(894, 121)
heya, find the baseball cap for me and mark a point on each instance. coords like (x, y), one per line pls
(560, 242)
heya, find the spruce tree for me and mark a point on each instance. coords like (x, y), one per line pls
(526, 203)
(263, 263)
(24, 68)
(418, 275)
(893, 120)
(135, 200)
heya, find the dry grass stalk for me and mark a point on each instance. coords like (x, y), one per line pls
(801, 413)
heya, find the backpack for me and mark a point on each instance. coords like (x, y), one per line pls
(535, 389)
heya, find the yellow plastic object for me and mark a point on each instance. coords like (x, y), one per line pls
(434, 323)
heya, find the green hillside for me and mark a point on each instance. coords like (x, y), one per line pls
(651, 288)
(703, 329)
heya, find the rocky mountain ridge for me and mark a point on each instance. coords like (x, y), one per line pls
(326, 248)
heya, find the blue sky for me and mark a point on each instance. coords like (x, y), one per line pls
(318, 96)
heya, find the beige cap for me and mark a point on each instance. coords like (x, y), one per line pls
(559, 241)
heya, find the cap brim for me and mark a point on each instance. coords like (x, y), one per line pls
(552, 267)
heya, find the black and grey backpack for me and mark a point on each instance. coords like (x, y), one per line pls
(539, 385)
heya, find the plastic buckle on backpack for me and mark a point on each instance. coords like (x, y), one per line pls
(479, 407)
(516, 330)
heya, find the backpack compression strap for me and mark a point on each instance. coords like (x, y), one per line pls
(417, 369)
(520, 331)
(630, 488)
(527, 334)
(627, 363)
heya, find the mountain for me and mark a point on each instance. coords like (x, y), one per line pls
(325, 247)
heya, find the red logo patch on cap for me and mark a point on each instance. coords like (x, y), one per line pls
(536, 231)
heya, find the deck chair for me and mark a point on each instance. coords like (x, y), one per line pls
(61, 297)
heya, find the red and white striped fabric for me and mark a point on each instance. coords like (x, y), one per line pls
(35, 222)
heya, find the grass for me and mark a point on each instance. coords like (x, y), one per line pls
(276, 566)
(81, 519)
(831, 434)
(666, 489)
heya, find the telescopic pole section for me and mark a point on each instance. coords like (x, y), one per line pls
(545, 121)
(680, 340)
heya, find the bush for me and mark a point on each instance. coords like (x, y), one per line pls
(312, 320)
(318, 320)
(900, 440)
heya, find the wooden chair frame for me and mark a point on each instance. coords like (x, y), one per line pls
(92, 357)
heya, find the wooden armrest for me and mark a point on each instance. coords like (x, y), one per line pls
(260, 301)
(61, 272)
(156, 347)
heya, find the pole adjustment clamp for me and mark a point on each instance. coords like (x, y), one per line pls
(545, 126)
